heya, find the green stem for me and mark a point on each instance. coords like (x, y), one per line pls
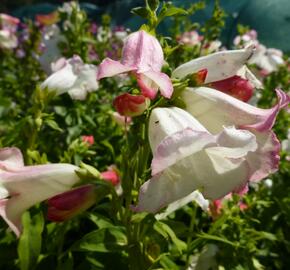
(190, 234)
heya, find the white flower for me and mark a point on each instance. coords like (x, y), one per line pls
(72, 76)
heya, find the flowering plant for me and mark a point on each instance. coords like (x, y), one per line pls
(128, 149)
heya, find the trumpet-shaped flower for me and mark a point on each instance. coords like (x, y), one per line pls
(226, 71)
(217, 146)
(24, 186)
(72, 76)
(142, 55)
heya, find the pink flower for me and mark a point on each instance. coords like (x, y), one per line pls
(143, 56)
(71, 203)
(190, 38)
(131, 105)
(24, 186)
(88, 139)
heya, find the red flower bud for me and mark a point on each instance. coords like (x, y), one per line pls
(88, 139)
(111, 175)
(131, 105)
(235, 86)
(68, 204)
(200, 76)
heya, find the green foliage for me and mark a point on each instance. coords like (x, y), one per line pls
(29, 246)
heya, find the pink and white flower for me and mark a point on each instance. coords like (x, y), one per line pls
(268, 59)
(143, 56)
(8, 27)
(191, 38)
(72, 76)
(21, 186)
(217, 146)
(226, 71)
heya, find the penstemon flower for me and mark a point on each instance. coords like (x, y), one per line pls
(72, 76)
(143, 56)
(217, 146)
(226, 71)
(24, 186)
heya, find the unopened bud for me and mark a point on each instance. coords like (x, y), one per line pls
(131, 105)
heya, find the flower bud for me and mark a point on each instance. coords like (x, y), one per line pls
(131, 105)
(235, 86)
(68, 204)
(111, 175)
(89, 139)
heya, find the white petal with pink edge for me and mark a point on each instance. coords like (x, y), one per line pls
(220, 65)
(215, 109)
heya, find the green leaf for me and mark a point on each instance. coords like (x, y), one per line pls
(168, 264)
(51, 123)
(29, 245)
(170, 11)
(215, 238)
(102, 240)
(153, 4)
(99, 220)
(141, 11)
(166, 231)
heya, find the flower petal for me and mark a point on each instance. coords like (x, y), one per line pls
(109, 68)
(167, 121)
(85, 82)
(178, 146)
(266, 159)
(214, 109)
(245, 73)
(211, 173)
(161, 80)
(61, 81)
(10, 158)
(194, 196)
(30, 185)
(142, 51)
(220, 65)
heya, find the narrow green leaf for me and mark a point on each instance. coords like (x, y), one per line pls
(29, 245)
(103, 240)
(165, 231)
(215, 238)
